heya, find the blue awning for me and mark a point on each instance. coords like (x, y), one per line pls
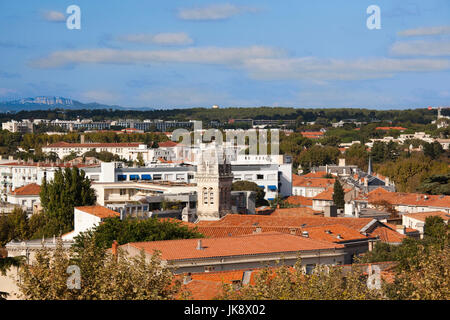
(121, 177)
(263, 187)
(271, 199)
(146, 177)
(134, 177)
(272, 188)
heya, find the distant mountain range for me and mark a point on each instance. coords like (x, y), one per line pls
(44, 103)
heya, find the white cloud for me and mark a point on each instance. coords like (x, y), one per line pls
(213, 12)
(53, 16)
(421, 48)
(425, 31)
(310, 68)
(179, 38)
(205, 55)
(261, 63)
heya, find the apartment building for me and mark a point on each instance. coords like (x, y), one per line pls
(126, 150)
(24, 126)
(19, 173)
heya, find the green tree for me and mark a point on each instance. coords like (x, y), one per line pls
(14, 226)
(436, 184)
(140, 160)
(436, 231)
(134, 230)
(68, 189)
(338, 195)
(104, 276)
(286, 283)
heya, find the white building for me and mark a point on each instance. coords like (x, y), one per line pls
(417, 220)
(26, 197)
(127, 151)
(19, 173)
(25, 126)
(88, 217)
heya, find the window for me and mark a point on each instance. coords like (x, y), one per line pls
(209, 268)
(211, 196)
(205, 196)
(260, 177)
(309, 268)
(157, 177)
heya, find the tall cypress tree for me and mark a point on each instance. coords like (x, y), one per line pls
(68, 189)
(338, 195)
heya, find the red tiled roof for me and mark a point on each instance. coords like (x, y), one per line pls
(328, 233)
(423, 215)
(262, 243)
(167, 144)
(388, 235)
(203, 290)
(325, 195)
(31, 189)
(412, 199)
(302, 181)
(312, 135)
(299, 201)
(285, 221)
(99, 211)
(390, 128)
(334, 233)
(295, 212)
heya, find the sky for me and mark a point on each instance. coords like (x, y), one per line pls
(248, 53)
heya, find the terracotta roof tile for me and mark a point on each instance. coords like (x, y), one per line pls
(423, 215)
(299, 201)
(412, 199)
(167, 144)
(263, 243)
(31, 189)
(99, 211)
(302, 181)
(295, 212)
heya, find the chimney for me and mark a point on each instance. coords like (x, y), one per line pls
(401, 229)
(199, 245)
(305, 234)
(342, 162)
(293, 231)
(82, 138)
(258, 230)
(114, 247)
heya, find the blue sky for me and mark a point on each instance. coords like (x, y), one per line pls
(246, 53)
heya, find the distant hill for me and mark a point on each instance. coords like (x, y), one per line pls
(44, 103)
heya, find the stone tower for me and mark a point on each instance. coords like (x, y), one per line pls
(214, 180)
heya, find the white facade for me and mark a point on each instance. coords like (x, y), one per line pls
(17, 174)
(127, 151)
